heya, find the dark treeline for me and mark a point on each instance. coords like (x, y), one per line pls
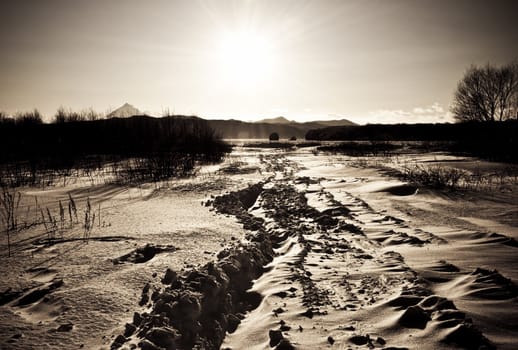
(491, 140)
(174, 142)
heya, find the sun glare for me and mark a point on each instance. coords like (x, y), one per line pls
(246, 58)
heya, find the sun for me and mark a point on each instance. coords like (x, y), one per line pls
(245, 58)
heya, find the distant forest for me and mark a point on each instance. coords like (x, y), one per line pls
(490, 140)
(164, 147)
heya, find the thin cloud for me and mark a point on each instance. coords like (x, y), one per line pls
(434, 109)
(434, 113)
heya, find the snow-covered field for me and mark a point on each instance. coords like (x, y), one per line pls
(271, 249)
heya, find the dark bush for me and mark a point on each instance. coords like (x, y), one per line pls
(274, 136)
(28, 118)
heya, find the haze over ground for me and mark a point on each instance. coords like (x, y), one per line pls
(367, 61)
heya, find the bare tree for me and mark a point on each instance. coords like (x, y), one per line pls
(487, 94)
(508, 92)
(513, 111)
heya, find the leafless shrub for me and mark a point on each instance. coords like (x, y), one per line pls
(434, 176)
(363, 149)
(5, 119)
(89, 220)
(10, 202)
(52, 226)
(154, 168)
(72, 209)
(61, 215)
(64, 115)
(28, 118)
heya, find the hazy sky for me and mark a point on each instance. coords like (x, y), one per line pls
(368, 61)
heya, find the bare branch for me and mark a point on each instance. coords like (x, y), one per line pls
(487, 94)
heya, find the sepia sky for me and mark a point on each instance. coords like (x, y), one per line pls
(368, 61)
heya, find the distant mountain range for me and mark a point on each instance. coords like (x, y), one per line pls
(237, 129)
(282, 120)
(278, 120)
